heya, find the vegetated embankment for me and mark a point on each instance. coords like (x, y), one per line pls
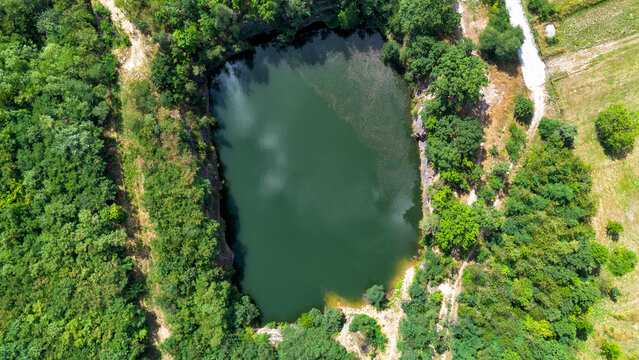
(134, 65)
(533, 71)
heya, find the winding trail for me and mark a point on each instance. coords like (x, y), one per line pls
(574, 62)
(133, 58)
(135, 64)
(533, 70)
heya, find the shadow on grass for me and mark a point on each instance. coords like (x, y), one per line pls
(616, 154)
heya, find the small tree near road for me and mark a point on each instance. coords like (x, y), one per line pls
(614, 229)
(524, 109)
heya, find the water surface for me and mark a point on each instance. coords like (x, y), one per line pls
(323, 186)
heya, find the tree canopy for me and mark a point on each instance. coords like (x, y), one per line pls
(427, 17)
(458, 77)
(501, 45)
(616, 129)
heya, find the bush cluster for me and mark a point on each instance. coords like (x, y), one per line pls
(516, 141)
(614, 229)
(419, 337)
(542, 8)
(622, 261)
(370, 329)
(558, 133)
(312, 337)
(376, 296)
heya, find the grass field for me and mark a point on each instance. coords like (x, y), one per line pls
(607, 21)
(613, 77)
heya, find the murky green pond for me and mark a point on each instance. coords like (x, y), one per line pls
(323, 186)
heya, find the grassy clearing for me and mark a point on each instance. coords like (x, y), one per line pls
(604, 22)
(613, 77)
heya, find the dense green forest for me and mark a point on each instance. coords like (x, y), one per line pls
(65, 288)
(65, 280)
(533, 284)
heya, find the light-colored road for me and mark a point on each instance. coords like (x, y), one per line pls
(532, 67)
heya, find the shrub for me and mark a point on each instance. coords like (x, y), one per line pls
(610, 350)
(370, 329)
(499, 16)
(622, 261)
(427, 17)
(542, 8)
(376, 296)
(306, 320)
(614, 229)
(616, 130)
(421, 55)
(497, 176)
(245, 312)
(552, 40)
(615, 294)
(501, 45)
(486, 193)
(558, 133)
(452, 142)
(332, 321)
(348, 17)
(302, 343)
(515, 142)
(524, 109)
(391, 53)
(604, 283)
(433, 271)
(459, 75)
(600, 253)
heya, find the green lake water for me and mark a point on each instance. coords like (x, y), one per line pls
(321, 173)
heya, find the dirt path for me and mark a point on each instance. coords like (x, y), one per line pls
(133, 58)
(135, 62)
(574, 62)
(450, 290)
(388, 320)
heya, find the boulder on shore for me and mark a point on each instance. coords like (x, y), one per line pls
(550, 30)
